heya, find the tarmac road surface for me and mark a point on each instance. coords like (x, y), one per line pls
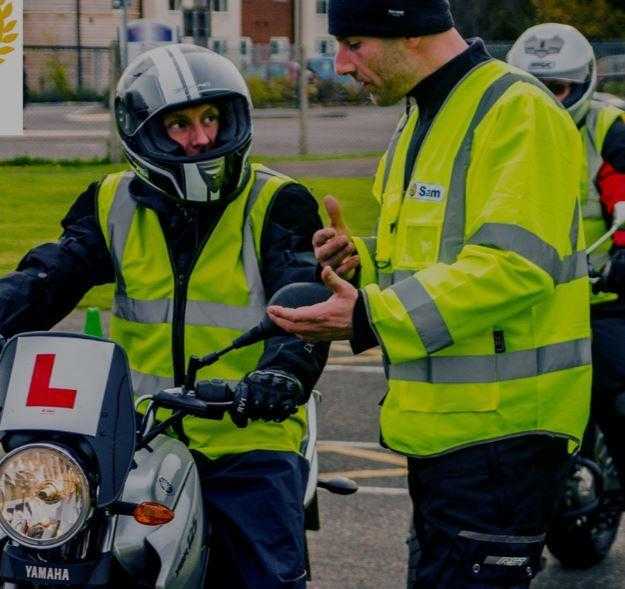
(361, 541)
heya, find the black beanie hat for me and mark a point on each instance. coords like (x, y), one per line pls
(388, 18)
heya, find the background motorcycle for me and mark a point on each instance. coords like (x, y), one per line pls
(590, 511)
(90, 496)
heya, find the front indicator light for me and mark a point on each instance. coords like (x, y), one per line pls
(150, 513)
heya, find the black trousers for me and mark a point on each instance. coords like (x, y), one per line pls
(608, 383)
(254, 504)
(481, 513)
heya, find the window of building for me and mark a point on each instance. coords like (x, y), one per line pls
(245, 47)
(279, 48)
(220, 5)
(173, 4)
(187, 18)
(195, 23)
(322, 6)
(325, 46)
(219, 46)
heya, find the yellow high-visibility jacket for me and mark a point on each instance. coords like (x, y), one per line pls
(476, 283)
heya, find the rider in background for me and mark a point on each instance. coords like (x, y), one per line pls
(563, 59)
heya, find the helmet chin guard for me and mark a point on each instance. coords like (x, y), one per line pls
(203, 181)
(553, 51)
(175, 77)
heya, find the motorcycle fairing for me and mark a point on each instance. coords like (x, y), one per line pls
(72, 384)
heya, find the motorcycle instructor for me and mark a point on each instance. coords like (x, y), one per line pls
(475, 287)
(196, 240)
(563, 59)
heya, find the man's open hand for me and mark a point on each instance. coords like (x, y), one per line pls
(327, 321)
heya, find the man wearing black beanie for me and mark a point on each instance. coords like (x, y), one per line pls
(475, 286)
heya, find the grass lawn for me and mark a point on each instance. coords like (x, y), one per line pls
(34, 198)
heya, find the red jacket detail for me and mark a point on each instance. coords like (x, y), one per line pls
(611, 186)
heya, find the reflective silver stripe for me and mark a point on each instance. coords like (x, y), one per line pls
(592, 204)
(371, 244)
(257, 298)
(592, 207)
(182, 65)
(502, 538)
(167, 70)
(453, 226)
(118, 225)
(574, 234)
(385, 279)
(218, 315)
(158, 311)
(525, 243)
(424, 314)
(148, 384)
(496, 367)
(392, 148)
(400, 275)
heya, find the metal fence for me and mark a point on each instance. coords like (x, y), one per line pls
(54, 74)
(67, 113)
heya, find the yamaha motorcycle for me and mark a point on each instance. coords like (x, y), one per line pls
(92, 493)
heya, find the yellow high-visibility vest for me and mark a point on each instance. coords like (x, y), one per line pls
(225, 297)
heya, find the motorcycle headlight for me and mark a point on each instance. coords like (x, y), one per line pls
(44, 496)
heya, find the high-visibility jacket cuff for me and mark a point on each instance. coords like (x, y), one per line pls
(366, 251)
(393, 327)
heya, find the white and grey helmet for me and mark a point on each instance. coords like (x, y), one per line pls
(560, 53)
(177, 76)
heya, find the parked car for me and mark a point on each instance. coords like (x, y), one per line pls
(332, 87)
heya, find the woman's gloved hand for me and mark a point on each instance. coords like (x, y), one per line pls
(613, 274)
(270, 395)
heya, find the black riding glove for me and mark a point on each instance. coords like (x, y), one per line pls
(613, 274)
(271, 395)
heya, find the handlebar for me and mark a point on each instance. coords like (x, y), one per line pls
(209, 399)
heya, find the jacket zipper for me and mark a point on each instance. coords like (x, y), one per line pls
(181, 283)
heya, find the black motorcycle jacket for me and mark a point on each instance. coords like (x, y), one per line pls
(53, 277)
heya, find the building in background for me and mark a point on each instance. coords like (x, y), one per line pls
(67, 42)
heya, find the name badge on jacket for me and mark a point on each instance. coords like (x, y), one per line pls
(427, 192)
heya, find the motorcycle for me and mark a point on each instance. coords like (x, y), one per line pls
(589, 514)
(92, 493)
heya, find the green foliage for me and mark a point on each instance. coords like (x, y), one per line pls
(57, 74)
(507, 19)
(493, 19)
(616, 87)
(273, 92)
(79, 95)
(36, 197)
(597, 19)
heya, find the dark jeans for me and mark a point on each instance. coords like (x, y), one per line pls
(480, 513)
(255, 508)
(608, 384)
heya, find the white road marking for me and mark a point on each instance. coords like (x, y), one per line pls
(382, 491)
(373, 445)
(349, 368)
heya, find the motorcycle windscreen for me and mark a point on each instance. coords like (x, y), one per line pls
(74, 384)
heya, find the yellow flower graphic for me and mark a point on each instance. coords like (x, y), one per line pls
(7, 36)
